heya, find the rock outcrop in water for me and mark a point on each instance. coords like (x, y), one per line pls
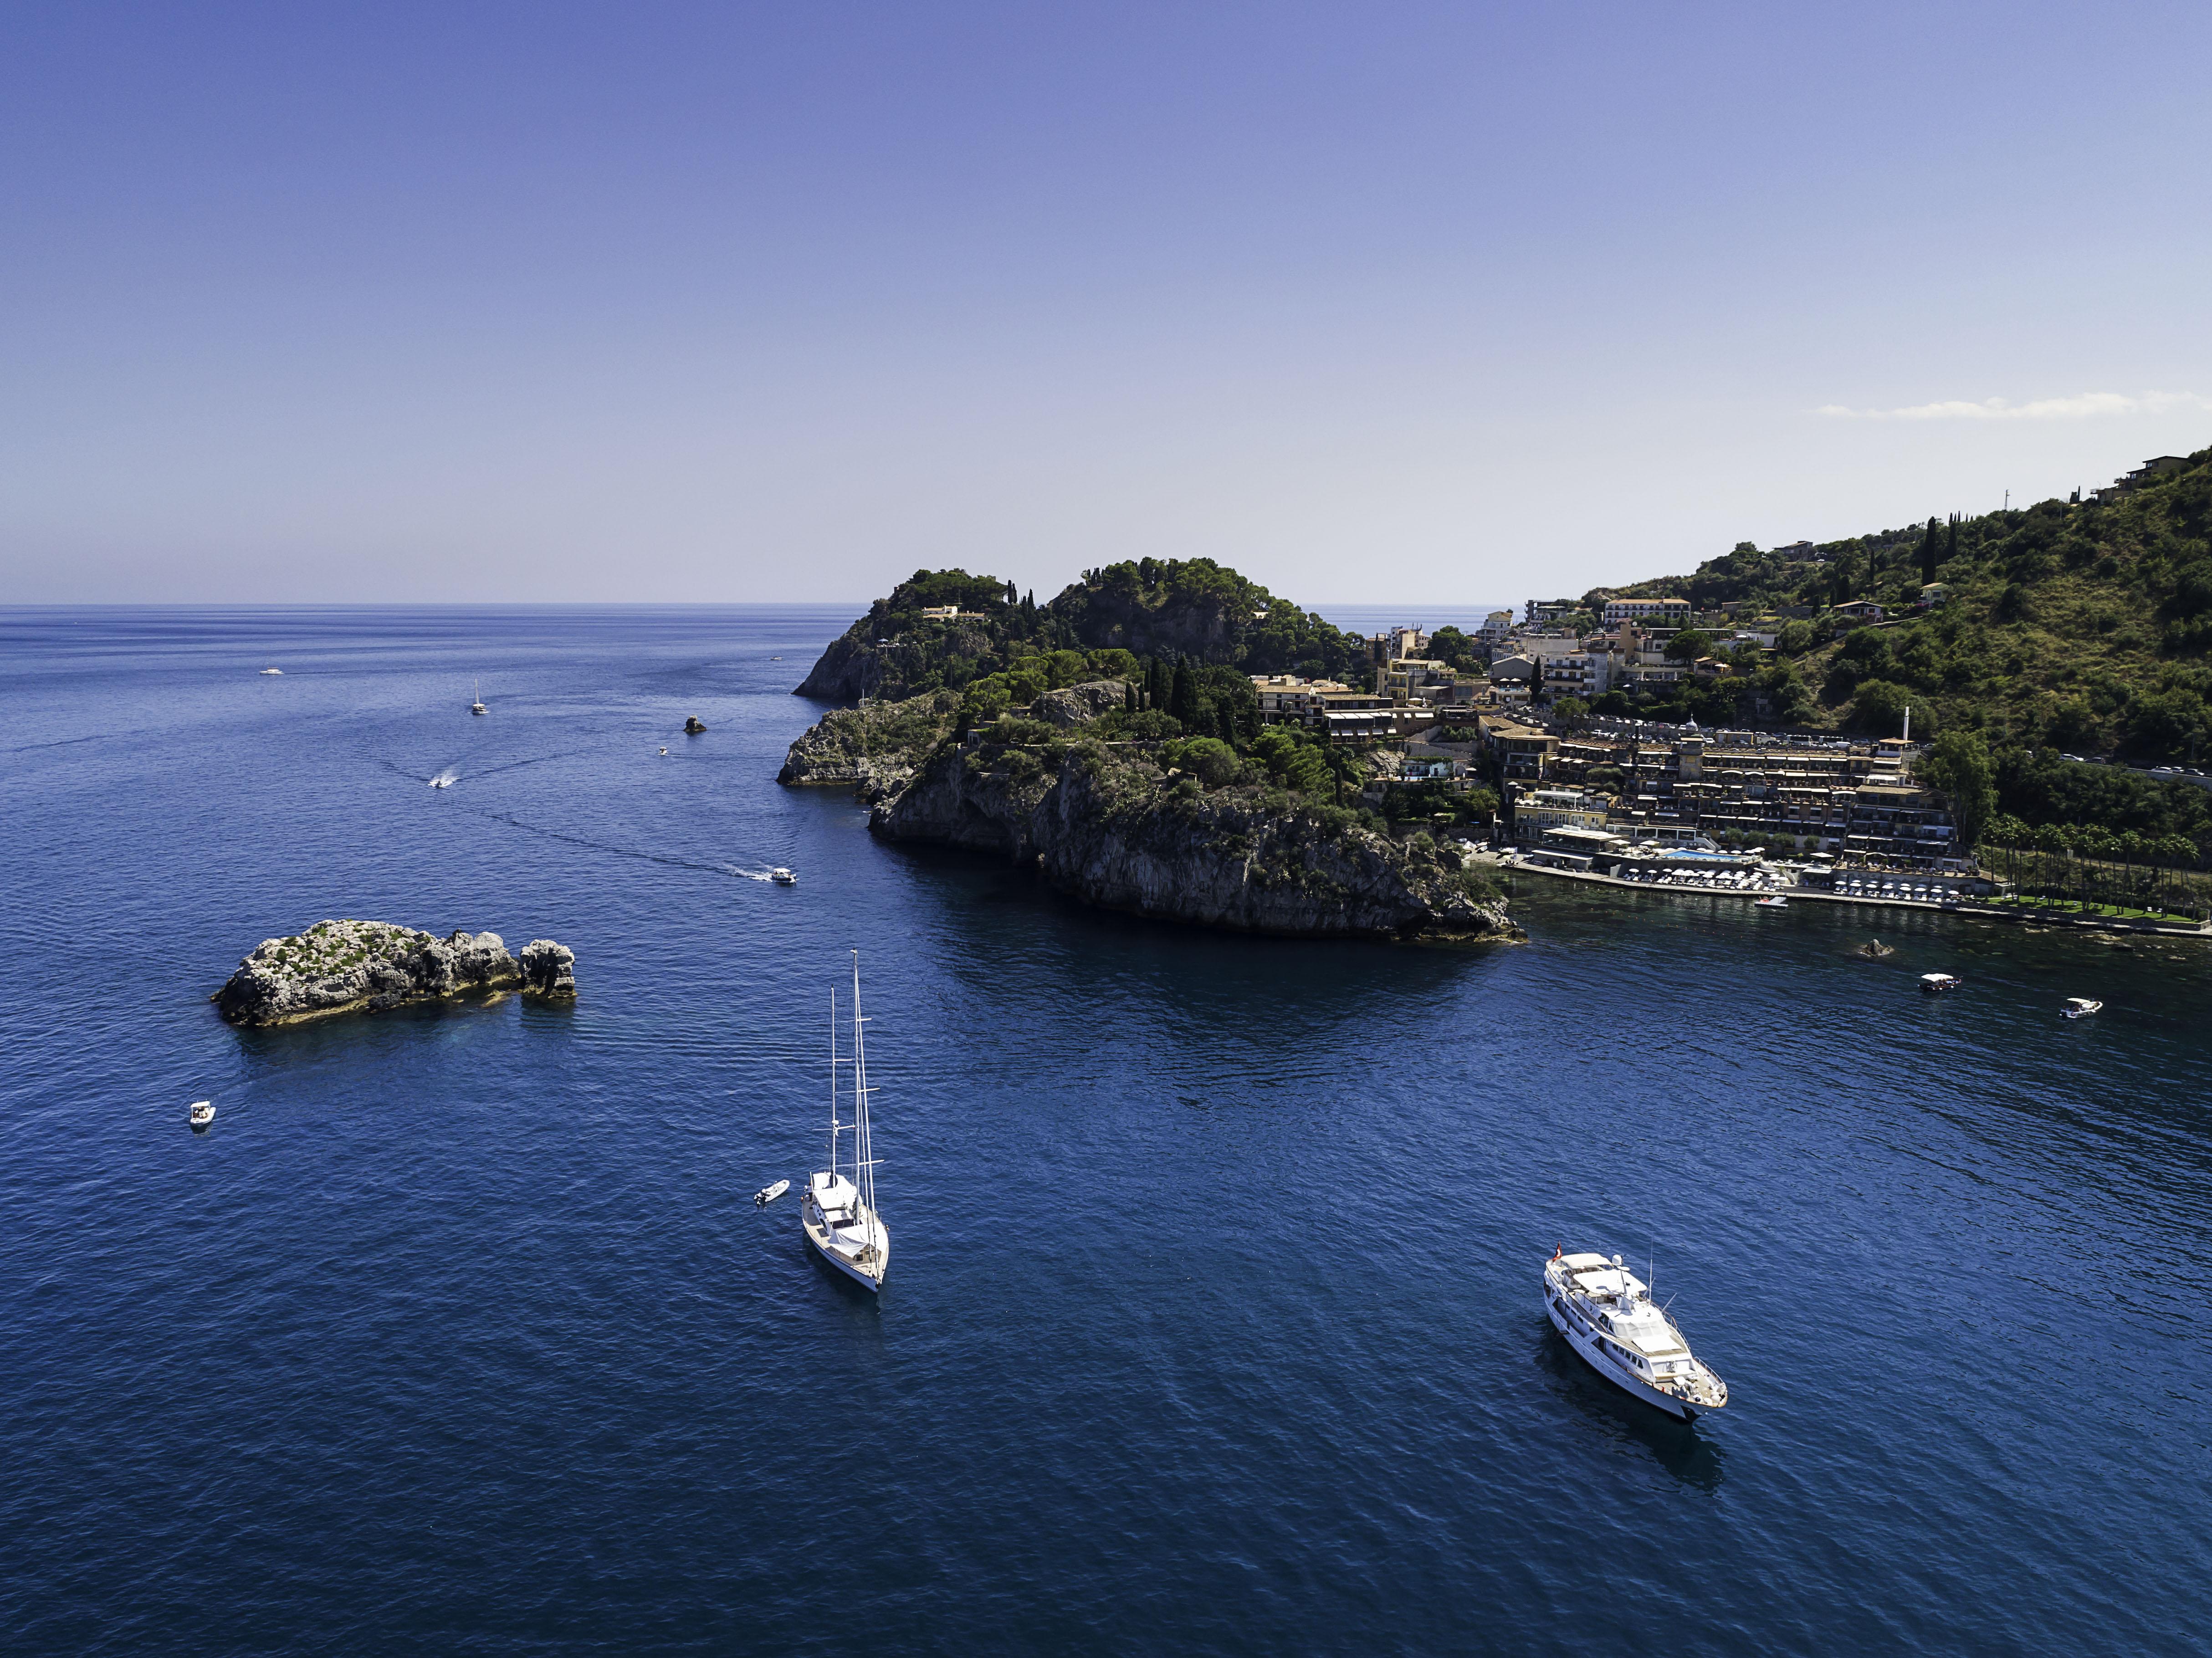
(1103, 824)
(548, 970)
(367, 966)
(870, 749)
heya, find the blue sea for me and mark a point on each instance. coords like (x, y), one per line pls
(1213, 1322)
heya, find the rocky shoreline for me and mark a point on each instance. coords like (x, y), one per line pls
(1113, 824)
(367, 967)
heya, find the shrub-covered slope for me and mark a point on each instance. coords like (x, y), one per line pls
(2074, 626)
(1164, 609)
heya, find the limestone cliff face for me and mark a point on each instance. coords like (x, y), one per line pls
(1106, 826)
(870, 748)
(349, 967)
(877, 657)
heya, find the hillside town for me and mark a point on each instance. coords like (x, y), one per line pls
(1514, 708)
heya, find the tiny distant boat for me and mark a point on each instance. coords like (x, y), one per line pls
(441, 782)
(769, 1194)
(2080, 1007)
(274, 670)
(1607, 1316)
(663, 754)
(1776, 901)
(839, 1214)
(782, 876)
(477, 706)
(1939, 984)
(201, 1114)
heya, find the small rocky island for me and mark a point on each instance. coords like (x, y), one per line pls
(367, 967)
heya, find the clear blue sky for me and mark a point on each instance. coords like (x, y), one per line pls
(1375, 303)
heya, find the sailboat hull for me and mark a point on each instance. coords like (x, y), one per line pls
(868, 1274)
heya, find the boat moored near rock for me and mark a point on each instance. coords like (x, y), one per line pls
(1607, 1316)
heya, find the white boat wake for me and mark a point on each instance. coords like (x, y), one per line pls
(747, 874)
(447, 778)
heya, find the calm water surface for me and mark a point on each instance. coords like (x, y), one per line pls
(1214, 1324)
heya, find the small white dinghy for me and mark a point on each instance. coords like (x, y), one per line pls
(269, 670)
(2080, 1007)
(782, 876)
(1776, 901)
(203, 1114)
(769, 1194)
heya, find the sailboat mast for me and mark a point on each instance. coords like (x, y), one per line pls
(863, 1146)
(833, 1082)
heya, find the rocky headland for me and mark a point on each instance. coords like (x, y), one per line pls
(1119, 823)
(873, 748)
(367, 967)
(1107, 823)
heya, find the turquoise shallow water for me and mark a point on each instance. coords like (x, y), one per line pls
(1214, 1324)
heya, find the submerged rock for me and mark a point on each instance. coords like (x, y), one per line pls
(348, 966)
(1104, 824)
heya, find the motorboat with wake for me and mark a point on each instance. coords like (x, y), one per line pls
(782, 876)
(838, 1213)
(2080, 1007)
(1607, 1316)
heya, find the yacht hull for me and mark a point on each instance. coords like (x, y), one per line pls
(818, 1241)
(1587, 1349)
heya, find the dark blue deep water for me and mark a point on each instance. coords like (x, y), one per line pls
(1214, 1321)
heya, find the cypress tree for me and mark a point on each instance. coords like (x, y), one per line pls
(1182, 698)
(1226, 718)
(1157, 684)
(1928, 553)
(1950, 539)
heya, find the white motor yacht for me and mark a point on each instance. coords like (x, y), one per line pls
(1607, 1316)
(782, 876)
(838, 1213)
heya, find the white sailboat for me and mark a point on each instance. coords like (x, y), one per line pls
(839, 1212)
(477, 706)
